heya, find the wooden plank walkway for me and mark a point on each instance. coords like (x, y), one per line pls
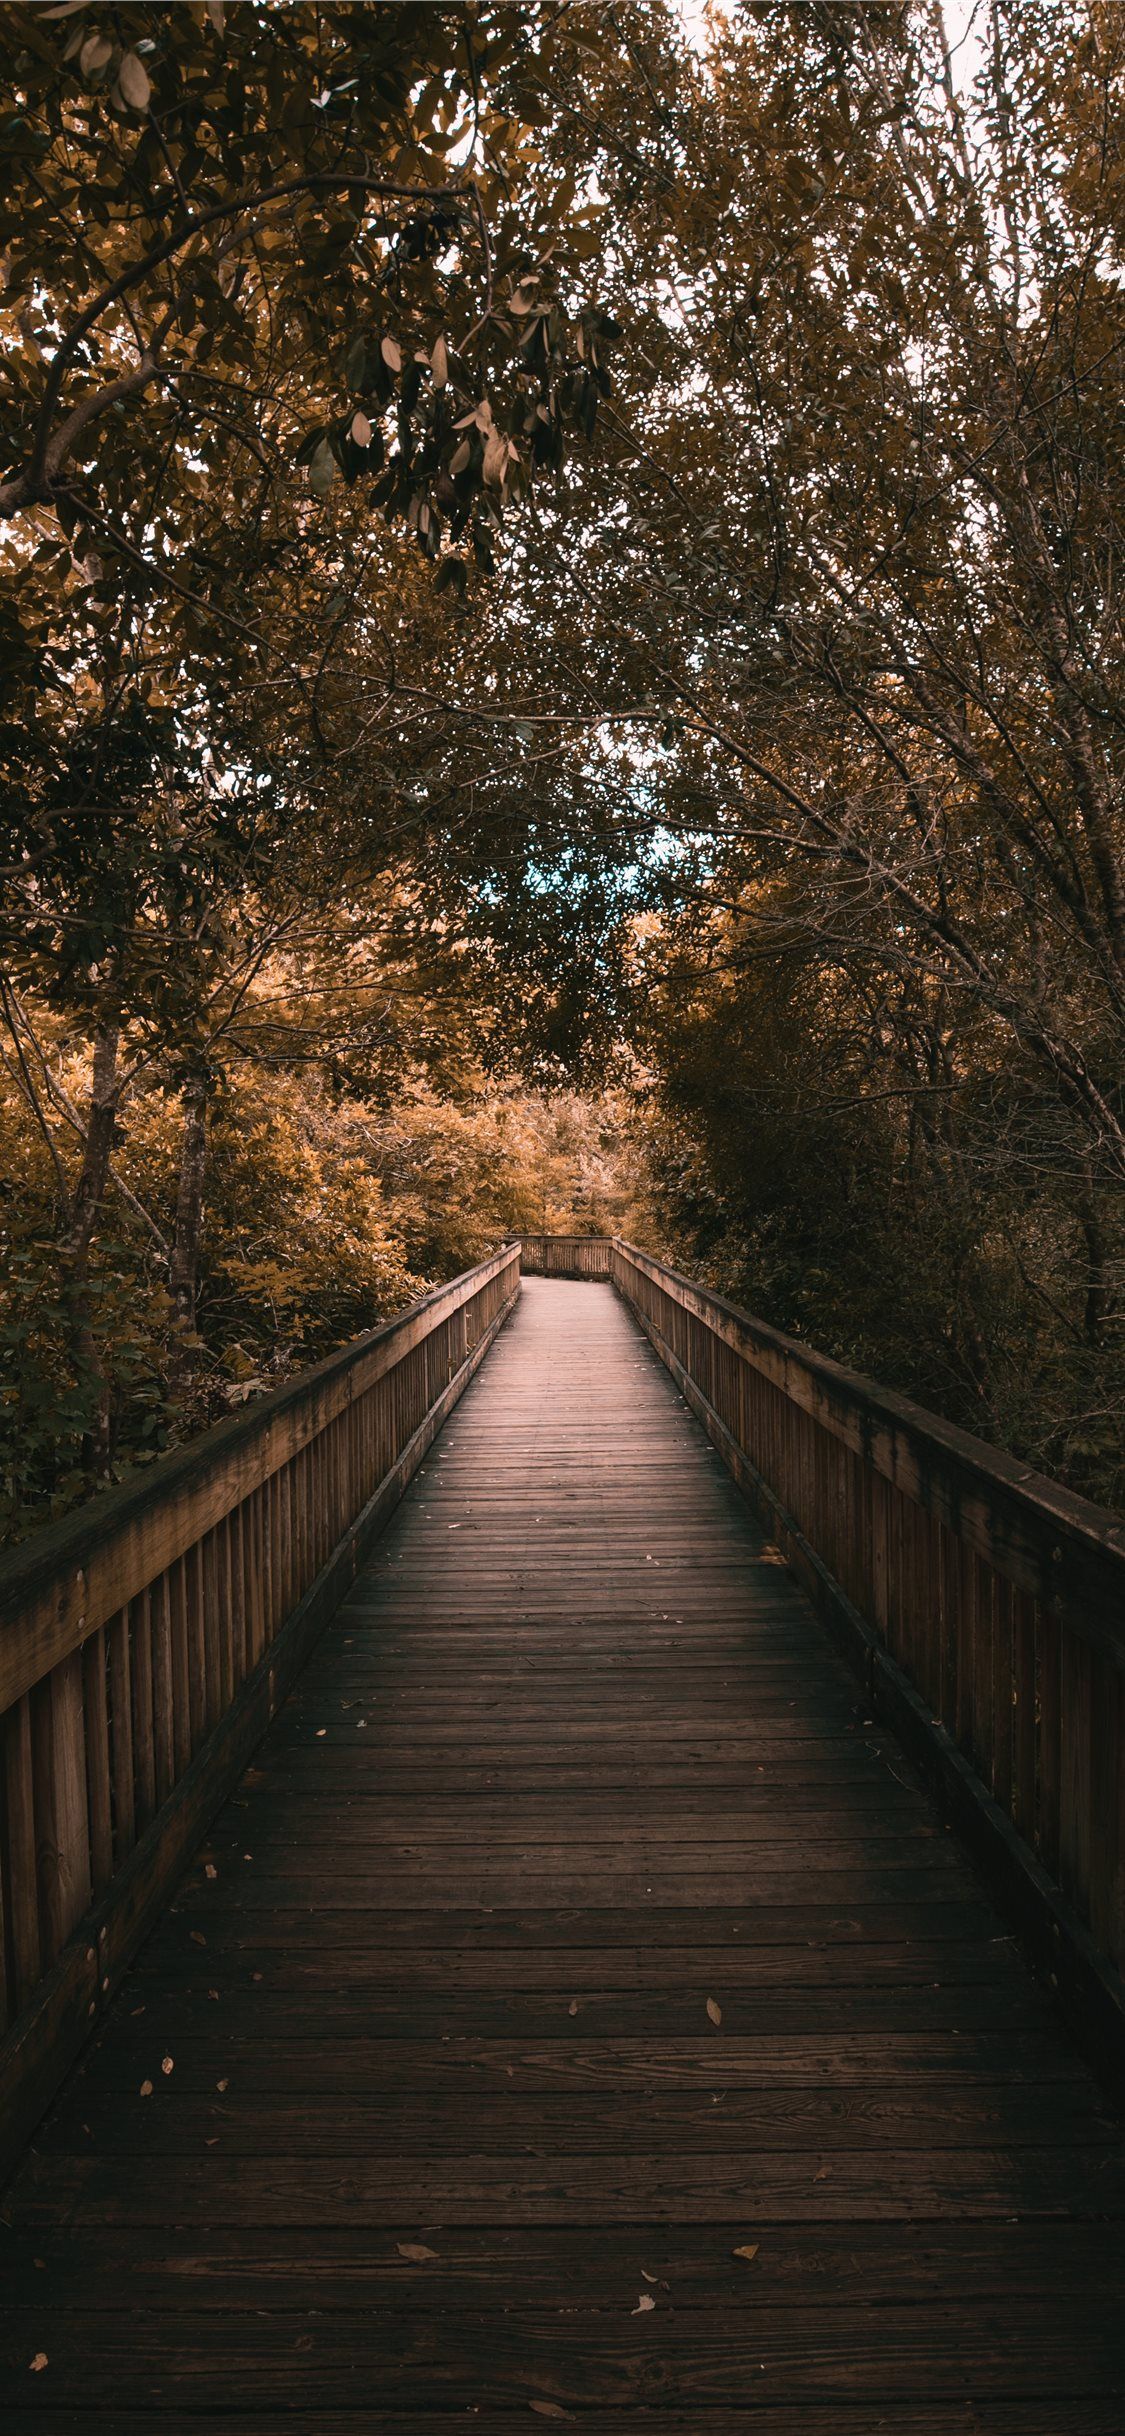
(577, 2013)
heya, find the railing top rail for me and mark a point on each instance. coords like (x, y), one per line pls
(854, 1389)
(1063, 1547)
(45, 1580)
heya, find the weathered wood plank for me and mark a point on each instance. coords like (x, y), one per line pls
(616, 1940)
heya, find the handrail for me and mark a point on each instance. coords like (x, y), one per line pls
(983, 1604)
(565, 1255)
(1041, 1537)
(147, 1638)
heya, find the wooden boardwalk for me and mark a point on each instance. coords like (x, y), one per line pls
(578, 2013)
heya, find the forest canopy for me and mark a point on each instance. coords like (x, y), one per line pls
(561, 666)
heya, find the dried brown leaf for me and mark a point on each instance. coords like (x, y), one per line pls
(95, 52)
(133, 81)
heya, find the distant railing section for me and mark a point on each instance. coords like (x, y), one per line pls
(985, 1604)
(146, 1639)
(565, 1255)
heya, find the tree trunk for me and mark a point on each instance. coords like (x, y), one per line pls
(78, 1236)
(183, 1266)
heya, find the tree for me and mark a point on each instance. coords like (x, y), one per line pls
(848, 593)
(235, 236)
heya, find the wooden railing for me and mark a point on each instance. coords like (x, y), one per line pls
(984, 1606)
(146, 1640)
(565, 1255)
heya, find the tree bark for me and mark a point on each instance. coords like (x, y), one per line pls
(183, 1266)
(78, 1236)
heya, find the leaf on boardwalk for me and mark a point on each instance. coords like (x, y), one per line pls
(572, 2007)
(39, 2361)
(416, 2251)
(714, 2011)
(146, 2089)
(645, 2302)
(167, 2065)
(209, 1870)
(747, 2249)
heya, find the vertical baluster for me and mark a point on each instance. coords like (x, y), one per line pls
(163, 1736)
(196, 1604)
(121, 1735)
(981, 1598)
(267, 1554)
(144, 1752)
(302, 1472)
(917, 1552)
(947, 1564)
(894, 1570)
(212, 1631)
(179, 1591)
(253, 1576)
(99, 1783)
(294, 1481)
(62, 1832)
(224, 1576)
(284, 1483)
(1023, 1714)
(19, 1842)
(1107, 1806)
(932, 1538)
(963, 1721)
(1047, 1707)
(908, 1585)
(7, 1990)
(1002, 1685)
(1075, 1757)
(237, 1565)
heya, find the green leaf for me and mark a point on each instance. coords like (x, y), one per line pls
(322, 469)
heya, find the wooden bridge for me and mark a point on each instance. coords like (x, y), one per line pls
(653, 1959)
